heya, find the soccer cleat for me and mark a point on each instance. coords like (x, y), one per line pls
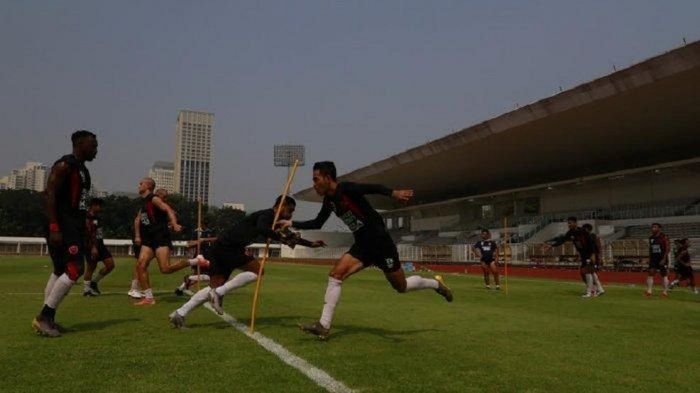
(188, 282)
(498, 287)
(135, 294)
(664, 295)
(600, 293)
(177, 320)
(95, 289)
(145, 302)
(647, 293)
(587, 295)
(488, 287)
(44, 327)
(179, 292)
(215, 301)
(443, 289)
(317, 330)
(89, 293)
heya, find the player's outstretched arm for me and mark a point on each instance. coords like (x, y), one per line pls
(172, 217)
(365, 189)
(316, 223)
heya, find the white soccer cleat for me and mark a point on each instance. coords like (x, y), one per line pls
(134, 294)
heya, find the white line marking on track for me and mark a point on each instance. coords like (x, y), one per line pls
(320, 377)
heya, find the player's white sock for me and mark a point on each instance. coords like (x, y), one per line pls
(86, 285)
(674, 283)
(241, 280)
(598, 285)
(665, 280)
(589, 283)
(196, 300)
(201, 277)
(182, 286)
(59, 291)
(49, 286)
(194, 261)
(148, 293)
(650, 283)
(135, 285)
(331, 300)
(415, 283)
(97, 277)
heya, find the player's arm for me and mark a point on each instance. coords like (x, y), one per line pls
(137, 228)
(91, 229)
(666, 248)
(555, 242)
(59, 173)
(264, 227)
(365, 189)
(316, 223)
(192, 243)
(310, 244)
(599, 250)
(477, 251)
(172, 217)
(495, 252)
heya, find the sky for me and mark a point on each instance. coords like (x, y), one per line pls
(354, 81)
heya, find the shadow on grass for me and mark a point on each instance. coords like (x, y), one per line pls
(98, 325)
(396, 336)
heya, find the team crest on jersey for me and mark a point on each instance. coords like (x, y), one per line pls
(389, 262)
(73, 250)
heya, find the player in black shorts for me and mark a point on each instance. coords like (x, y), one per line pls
(658, 259)
(597, 260)
(229, 253)
(586, 248)
(98, 252)
(683, 266)
(135, 290)
(153, 233)
(66, 205)
(373, 245)
(487, 252)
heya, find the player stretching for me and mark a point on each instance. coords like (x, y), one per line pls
(228, 253)
(97, 250)
(373, 245)
(66, 206)
(153, 234)
(658, 259)
(682, 265)
(597, 261)
(487, 252)
(585, 246)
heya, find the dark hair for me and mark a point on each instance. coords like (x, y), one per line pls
(79, 135)
(587, 226)
(484, 230)
(657, 224)
(97, 201)
(288, 201)
(326, 168)
(572, 218)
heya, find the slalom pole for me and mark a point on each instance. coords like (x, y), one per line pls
(290, 179)
(199, 238)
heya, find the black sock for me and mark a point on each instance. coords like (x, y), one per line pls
(48, 312)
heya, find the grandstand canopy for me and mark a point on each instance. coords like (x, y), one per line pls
(643, 115)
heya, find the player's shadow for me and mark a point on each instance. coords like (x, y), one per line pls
(396, 336)
(98, 325)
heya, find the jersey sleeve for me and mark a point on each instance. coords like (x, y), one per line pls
(365, 189)
(264, 226)
(317, 222)
(559, 240)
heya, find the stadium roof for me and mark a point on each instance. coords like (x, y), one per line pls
(643, 115)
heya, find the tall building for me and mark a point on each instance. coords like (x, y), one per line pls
(193, 154)
(163, 173)
(32, 177)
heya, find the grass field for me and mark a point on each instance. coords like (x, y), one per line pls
(540, 338)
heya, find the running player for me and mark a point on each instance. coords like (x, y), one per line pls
(597, 261)
(206, 237)
(98, 251)
(152, 232)
(487, 252)
(682, 265)
(228, 253)
(373, 244)
(66, 205)
(585, 246)
(658, 259)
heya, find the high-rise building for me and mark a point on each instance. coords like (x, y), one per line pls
(193, 154)
(163, 173)
(32, 177)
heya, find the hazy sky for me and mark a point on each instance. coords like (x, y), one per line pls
(355, 81)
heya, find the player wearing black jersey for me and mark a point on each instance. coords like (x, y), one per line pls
(98, 252)
(658, 259)
(373, 245)
(585, 246)
(683, 266)
(66, 205)
(597, 260)
(487, 252)
(229, 253)
(156, 218)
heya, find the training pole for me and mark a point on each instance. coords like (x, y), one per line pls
(199, 238)
(505, 249)
(266, 253)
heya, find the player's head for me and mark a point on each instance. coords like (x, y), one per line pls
(146, 184)
(288, 209)
(161, 193)
(96, 205)
(656, 228)
(587, 227)
(485, 234)
(84, 145)
(572, 222)
(682, 242)
(324, 176)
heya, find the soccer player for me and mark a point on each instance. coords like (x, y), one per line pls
(658, 259)
(373, 245)
(228, 253)
(153, 234)
(97, 250)
(597, 261)
(682, 265)
(585, 246)
(66, 205)
(205, 241)
(487, 252)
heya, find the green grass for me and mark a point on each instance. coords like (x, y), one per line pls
(540, 338)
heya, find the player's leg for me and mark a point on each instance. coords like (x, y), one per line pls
(485, 270)
(135, 290)
(145, 257)
(177, 317)
(493, 267)
(691, 281)
(587, 268)
(43, 323)
(664, 280)
(90, 267)
(108, 262)
(250, 268)
(163, 258)
(650, 281)
(401, 284)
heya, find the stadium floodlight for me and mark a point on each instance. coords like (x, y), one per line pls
(285, 155)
